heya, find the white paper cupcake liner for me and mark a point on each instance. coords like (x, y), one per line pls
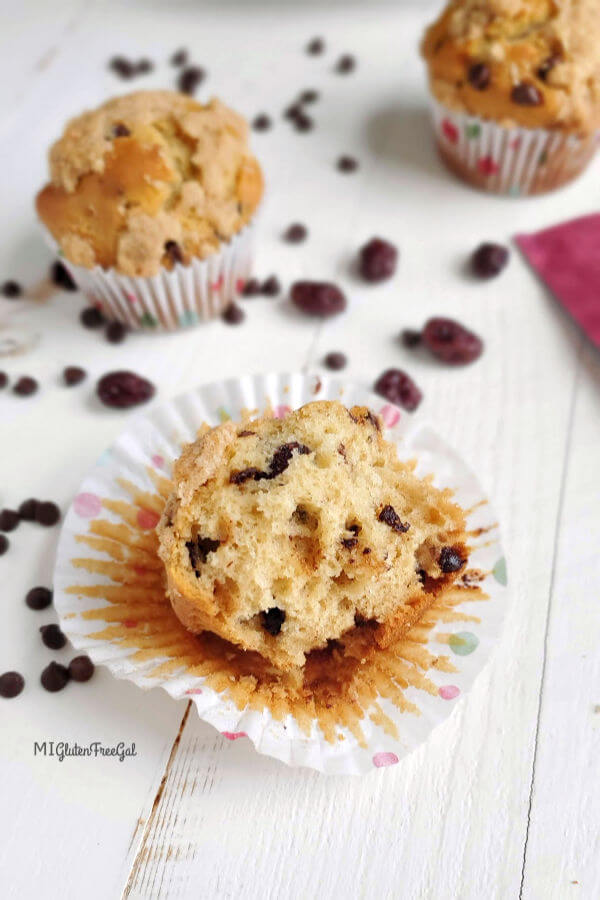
(147, 448)
(184, 296)
(514, 161)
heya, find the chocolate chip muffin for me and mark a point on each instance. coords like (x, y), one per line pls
(281, 535)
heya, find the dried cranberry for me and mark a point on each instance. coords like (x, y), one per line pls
(378, 260)
(451, 342)
(121, 390)
(272, 620)
(479, 76)
(390, 517)
(526, 94)
(282, 456)
(318, 298)
(25, 386)
(249, 474)
(450, 559)
(271, 286)
(73, 375)
(488, 260)
(199, 548)
(399, 388)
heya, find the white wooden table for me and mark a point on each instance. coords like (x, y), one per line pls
(504, 799)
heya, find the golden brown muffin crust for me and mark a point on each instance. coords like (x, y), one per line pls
(143, 171)
(552, 47)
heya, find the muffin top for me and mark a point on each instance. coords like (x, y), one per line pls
(532, 63)
(148, 180)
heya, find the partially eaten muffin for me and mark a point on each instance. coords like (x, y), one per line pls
(281, 535)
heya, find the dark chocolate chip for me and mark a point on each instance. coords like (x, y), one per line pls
(234, 314)
(349, 543)
(451, 342)
(27, 510)
(271, 286)
(11, 684)
(180, 57)
(174, 252)
(92, 317)
(61, 276)
(302, 122)
(55, 677)
(122, 67)
(399, 388)
(272, 620)
(316, 46)
(410, 338)
(9, 519)
(347, 164)
(282, 456)
(81, 668)
(450, 559)
(309, 96)
(526, 94)
(73, 375)
(252, 288)
(336, 360)
(38, 598)
(390, 517)
(295, 233)
(119, 130)
(377, 260)
(190, 78)
(262, 122)
(251, 473)
(3, 380)
(47, 513)
(366, 551)
(53, 637)
(144, 66)
(199, 548)
(115, 332)
(479, 76)
(318, 298)
(292, 112)
(345, 64)
(546, 67)
(122, 389)
(4, 544)
(11, 289)
(25, 386)
(488, 260)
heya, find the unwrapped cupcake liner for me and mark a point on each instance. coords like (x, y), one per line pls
(106, 562)
(514, 161)
(183, 296)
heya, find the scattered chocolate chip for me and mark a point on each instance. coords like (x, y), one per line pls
(336, 360)
(377, 260)
(27, 510)
(526, 94)
(318, 298)
(115, 332)
(122, 389)
(296, 233)
(4, 544)
(190, 78)
(252, 288)
(399, 388)
(234, 314)
(120, 130)
(3, 380)
(272, 620)
(73, 375)
(546, 67)
(11, 684)
(47, 513)
(38, 598)
(81, 668)
(11, 289)
(180, 57)
(92, 317)
(9, 519)
(316, 46)
(199, 548)
(410, 338)
(349, 543)
(271, 286)
(450, 559)
(55, 677)
(302, 122)
(309, 96)
(251, 473)
(292, 112)
(345, 64)
(174, 252)
(488, 260)
(53, 637)
(389, 516)
(347, 164)
(25, 386)
(451, 342)
(262, 122)
(144, 66)
(61, 276)
(122, 67)
(479, 76)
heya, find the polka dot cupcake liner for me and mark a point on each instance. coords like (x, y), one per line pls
(171, 300)
(104, 528)
(517, 162)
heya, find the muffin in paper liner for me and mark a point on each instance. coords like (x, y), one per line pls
(170, 300)
(515, 161)
(379, 704)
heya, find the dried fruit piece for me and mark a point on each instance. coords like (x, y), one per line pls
(336, 361)
(399, 388)
(199, 548)
(318, 298)
(121, 390)
(450, 559)
(451, 342)
(378, 260)
(488, 260)
(389, 516)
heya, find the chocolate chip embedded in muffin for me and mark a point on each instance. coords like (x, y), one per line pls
(526, 94)
(390, 517)
(479, 75)
(549, 63)
(451, 559)
(199, 548)
(272, 619)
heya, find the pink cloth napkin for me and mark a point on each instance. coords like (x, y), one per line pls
(567, 259)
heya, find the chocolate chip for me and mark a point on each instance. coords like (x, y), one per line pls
(296, 233)
(180, 57)
(410, 338)
(122, 67)
(123, 389)
(251, 473)
(272, 620)
(55, 677)
(271, 287)
(144, 66)
(53, 637)
(119, 130)
(252, 288)
(479, 76)
(234, 314)
(377, 260)
(25, 386)
(61, 276)
(318, 298)
(199, 548)
(11, 684)
(245, 433)
(302, 122)
(73, 375)
(488, 260)
(347, 164)
(451, 342)
(282, 456)
(81, 668)
(399, 388)
(336, 361)
(262, 122)
(11, 289)
(38, 598)
(3, 380)
(390, 517)
(316, 46)
(47, 513)
(526, 94)
(345, 64)
(27, 510)
(546, 67)
(92, 317)
(349, 543)
(190, 78)
(309, 96)
(4, 544)
(366, 551)
(450, 559)
(9, 519)
(292, 112)
(115, 332)
(174, 252)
